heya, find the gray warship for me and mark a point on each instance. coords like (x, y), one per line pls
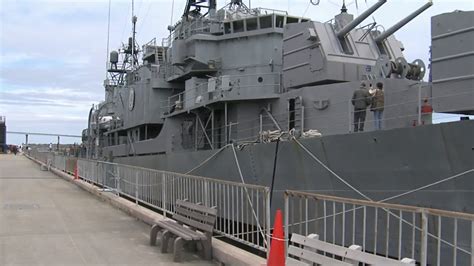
(273, 91)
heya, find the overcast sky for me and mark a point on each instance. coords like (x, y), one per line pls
(53, 52)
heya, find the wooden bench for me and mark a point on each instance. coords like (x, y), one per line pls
(311, 249)
(192, 223)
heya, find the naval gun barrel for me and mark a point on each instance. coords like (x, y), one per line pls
(384, 35)
(342, 33)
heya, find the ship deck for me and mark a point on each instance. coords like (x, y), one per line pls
(45, 220)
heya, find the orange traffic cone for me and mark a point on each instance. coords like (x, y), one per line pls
(277, 247)
(76, 175)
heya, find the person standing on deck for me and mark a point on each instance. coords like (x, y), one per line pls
(426, 113)
(361, 99)
(378, 102)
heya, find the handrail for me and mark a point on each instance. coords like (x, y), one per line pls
(203, 86)
(176, 173)
(451, 214)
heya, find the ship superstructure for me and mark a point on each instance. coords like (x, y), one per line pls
(228, 75)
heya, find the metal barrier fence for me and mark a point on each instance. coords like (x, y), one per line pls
(243, 209)
(63, 163)
(59, 162)
(429, 236)
(41, 156)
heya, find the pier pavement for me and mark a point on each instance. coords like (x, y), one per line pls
(45, 220)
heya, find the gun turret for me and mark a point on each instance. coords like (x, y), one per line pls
(344, 31)
(384, 35)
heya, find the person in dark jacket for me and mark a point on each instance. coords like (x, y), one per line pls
(361, 99)
(378, 103)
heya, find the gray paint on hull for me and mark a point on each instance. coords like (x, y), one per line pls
(380, 164)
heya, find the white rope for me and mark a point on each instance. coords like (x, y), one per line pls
(268, 136)
(387, 210)
(248, 197)
(306, 10)
(208, 159)
(366, 197)
(271, 135)
(427, 186)
(330, 170)
(312, 133)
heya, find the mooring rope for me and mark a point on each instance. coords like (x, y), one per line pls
(208, 159)
(248, 197)
(385, 209)
(330, 170)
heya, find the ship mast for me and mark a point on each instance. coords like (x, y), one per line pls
(108, 45)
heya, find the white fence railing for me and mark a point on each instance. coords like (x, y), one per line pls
(430, 236)
(243, 209)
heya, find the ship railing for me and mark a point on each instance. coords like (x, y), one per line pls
(243, 209)
(225, 88)
(263, 10)
(313, 116)
(244, 132)
(253, 130)
(152, 42)
(430, 236)
(150, 48)
(187, 29)
(166, 42)
(197, 26)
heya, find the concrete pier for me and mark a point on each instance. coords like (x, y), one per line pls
(45, 220)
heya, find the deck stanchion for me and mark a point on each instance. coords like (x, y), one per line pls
(163, 194)
(136, 188)
(118, 180)
(268, 219)
(424, 239)
(472, 242)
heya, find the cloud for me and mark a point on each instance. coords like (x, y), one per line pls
(49, 96)
(14, 58)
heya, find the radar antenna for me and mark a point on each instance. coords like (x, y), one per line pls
(193, 8)
(238, 5)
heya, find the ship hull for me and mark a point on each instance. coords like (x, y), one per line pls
(378, 164)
